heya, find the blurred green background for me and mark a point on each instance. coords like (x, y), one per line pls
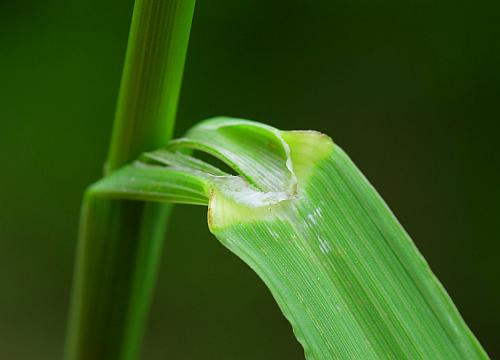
(410, 89)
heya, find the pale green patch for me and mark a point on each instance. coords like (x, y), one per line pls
(307, 148)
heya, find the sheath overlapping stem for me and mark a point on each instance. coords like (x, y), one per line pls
(120, 241)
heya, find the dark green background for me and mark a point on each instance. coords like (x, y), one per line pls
(410, 89)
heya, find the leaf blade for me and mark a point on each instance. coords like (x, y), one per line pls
(383, 300)
(343, 270)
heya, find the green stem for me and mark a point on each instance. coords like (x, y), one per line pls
(120, 241)
(151, 81)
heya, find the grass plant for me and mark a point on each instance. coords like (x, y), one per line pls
(299, 213)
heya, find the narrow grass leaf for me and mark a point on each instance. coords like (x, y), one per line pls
(342, 269)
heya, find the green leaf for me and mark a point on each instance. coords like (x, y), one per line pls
(305, 219)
